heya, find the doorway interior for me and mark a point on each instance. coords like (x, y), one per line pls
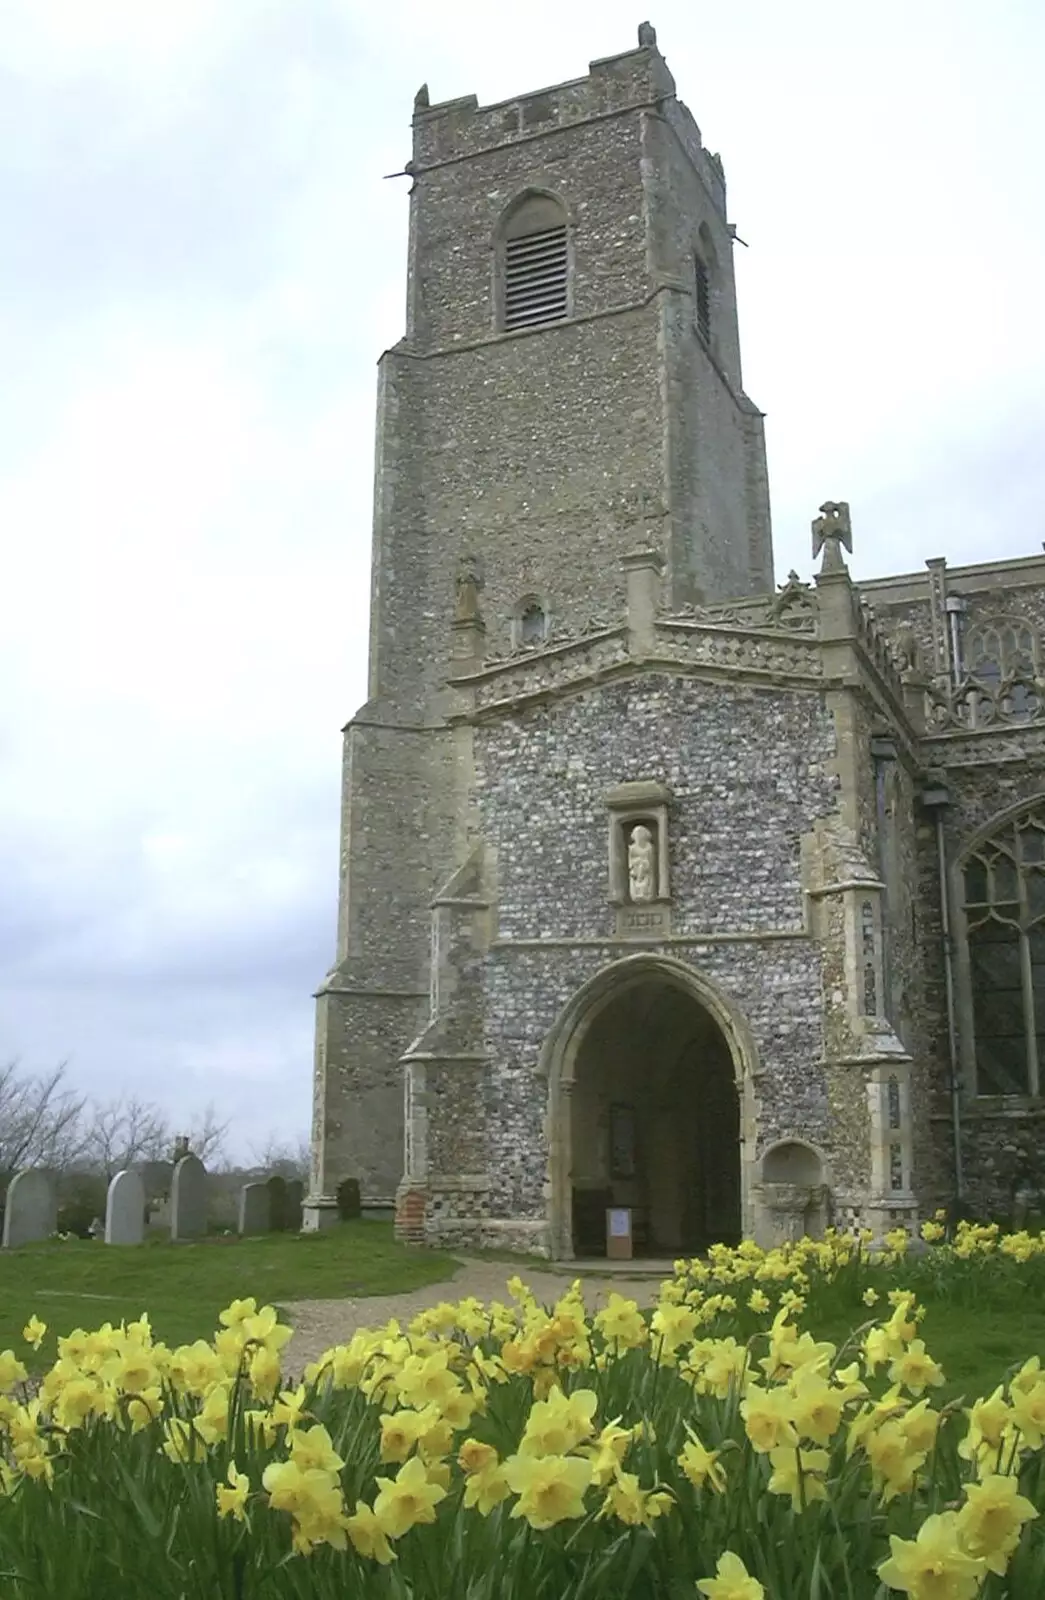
(655, 1124)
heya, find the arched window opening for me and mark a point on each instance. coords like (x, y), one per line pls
(535, 264)
(529, 623)
(533, 624)
(1004, 902)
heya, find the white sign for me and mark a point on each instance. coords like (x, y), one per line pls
(620, 1224)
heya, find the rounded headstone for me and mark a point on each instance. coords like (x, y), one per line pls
(31, 1207)
(255, 1208)
(189, 1199)
(125, 1209)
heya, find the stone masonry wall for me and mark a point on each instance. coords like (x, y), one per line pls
(746, 770)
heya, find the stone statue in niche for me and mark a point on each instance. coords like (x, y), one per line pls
(642, 863)
(469, 584)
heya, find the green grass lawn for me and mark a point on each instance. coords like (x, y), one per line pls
(81, 1283)
(975, 1348)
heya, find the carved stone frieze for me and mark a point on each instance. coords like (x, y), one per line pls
(545, 672)
(793, 608)
(693, 643)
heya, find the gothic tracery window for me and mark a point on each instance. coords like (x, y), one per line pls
(1004, 897)
(1000, 658)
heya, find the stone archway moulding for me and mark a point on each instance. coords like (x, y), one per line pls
(558, 1064)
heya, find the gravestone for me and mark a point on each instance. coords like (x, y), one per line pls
(255, 1208)
(277, 1188)
(156, 1177)
(125, 1209)
(189, 1199)
(31, 1208)
(295, 1202)
(349, 1203)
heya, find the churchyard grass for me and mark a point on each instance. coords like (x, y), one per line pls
(82, 1283)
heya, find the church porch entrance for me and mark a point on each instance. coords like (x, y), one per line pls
(654, 1122)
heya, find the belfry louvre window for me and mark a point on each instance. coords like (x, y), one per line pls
(1004, 895)
(536, 269)
(703, 299)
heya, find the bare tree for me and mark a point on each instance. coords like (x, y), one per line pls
(40, 1120)
(207, 1135)
(119, 1132)
(283, 1157)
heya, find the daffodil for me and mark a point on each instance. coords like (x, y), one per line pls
(631, 1504)
(12, 1372)
(407, 1499)
(232, 1495)
(400, 1431)
(816, 1407)
(556, 1425)
(367, 1536)
(767, 1417)
(1028, 1413)
(732, 1581)
(916, 1369)
(701, 1465)
(933, 1566)
(313, 1448)
(799, 1473)
(486, 1488)
(550, 1488)
(289, 1409)
(991, 1520)
(34, 1331)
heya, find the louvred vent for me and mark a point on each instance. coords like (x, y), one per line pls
(535, 273)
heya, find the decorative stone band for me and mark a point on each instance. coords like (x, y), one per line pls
(703, 649)
(995, 745)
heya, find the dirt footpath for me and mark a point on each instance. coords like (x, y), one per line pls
(318, 1324)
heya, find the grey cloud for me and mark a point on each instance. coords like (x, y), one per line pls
(103, 202)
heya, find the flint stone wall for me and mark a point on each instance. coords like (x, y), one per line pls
(748, 772)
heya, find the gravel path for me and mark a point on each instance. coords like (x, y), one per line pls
(318, 1324)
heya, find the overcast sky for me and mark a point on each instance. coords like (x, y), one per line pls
(200, 263)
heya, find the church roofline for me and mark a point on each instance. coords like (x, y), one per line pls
(1024, 570)
(470, 102)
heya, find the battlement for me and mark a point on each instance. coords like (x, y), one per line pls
(454, 130)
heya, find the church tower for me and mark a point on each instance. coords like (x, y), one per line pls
(568, 389)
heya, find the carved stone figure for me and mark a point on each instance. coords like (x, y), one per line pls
(469, 583)
(642, 863)
(831, 530)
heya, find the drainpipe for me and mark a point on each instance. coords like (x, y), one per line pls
(883, 750)
(955, 606)
(936, 799)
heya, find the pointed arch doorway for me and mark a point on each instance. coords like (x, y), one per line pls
(648, 1109)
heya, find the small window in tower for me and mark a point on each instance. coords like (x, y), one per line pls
(535, 264)
(703, 286)
(533, 624)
